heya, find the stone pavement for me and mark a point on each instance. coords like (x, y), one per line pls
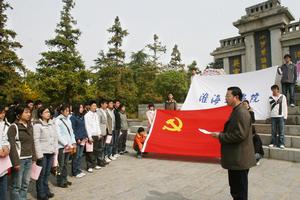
(176, 178)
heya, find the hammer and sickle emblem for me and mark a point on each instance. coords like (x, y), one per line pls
(173, 126)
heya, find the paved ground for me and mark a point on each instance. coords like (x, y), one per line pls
(173, 178)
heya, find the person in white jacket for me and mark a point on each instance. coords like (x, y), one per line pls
(91, 119)
(66, 145)
(278, 114)
(4, 152)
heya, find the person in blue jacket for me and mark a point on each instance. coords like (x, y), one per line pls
(81, 138)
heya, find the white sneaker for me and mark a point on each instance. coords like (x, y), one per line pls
(107, 159)
(117, 155)
(271, 145)
(258, 163)
(292, 105)
(80, 175)
(97, 167)
(112, 158)
(90, 170)
(282, 147)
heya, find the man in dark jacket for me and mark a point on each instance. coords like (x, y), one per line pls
(237, 150)
(117, 129)
(289, 77)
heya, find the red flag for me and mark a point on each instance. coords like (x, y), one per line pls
(177, 132)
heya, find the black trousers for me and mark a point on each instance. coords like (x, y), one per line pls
(63, 159)
(122, 140)
(97, 156)
(238, 182)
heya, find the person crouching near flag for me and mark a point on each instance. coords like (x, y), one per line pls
(237, 150)
(139, 141)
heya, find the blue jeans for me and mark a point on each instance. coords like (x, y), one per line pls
(76, 160)
(42, 187)
(3, 187)
(277, 125)
(289, 87)
(21, 179)
(108, 148)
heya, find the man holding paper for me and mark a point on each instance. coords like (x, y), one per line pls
(4, 152)
(93, 159)
(237, 151)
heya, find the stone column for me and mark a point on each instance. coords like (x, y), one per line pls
(276, 48)
(285, 50)
(250, 63)
(226, 65)
(244, 66)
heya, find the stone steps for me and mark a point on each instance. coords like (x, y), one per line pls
(292, 130)
(287, 154)
(290, 141)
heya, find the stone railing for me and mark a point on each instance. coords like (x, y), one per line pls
(293, 27)
(268, 5)
(235, 41)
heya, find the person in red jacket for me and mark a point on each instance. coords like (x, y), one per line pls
(139, 141)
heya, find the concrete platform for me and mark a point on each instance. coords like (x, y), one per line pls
(293, 130)
(290, 141)
(287, 154)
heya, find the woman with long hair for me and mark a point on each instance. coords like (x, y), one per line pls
(46, 145)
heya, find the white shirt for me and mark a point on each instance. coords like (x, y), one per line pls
(275, 111)
(92, 125)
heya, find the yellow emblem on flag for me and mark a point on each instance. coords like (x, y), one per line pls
(174, 127)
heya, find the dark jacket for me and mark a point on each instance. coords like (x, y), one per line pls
(118, 119)
(289, 73)
(78, 126)
(237, 149)
(23, 147)
(258, 146)
(170, 105)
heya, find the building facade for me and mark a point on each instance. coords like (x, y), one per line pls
(266, 33)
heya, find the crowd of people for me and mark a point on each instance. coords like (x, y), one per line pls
(33, 134)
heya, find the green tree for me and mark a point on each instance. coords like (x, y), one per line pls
(10, 63)
(175, 82)
(157, 50)
(115, 55)
(175, 62)
(61, 72)
(144, 77)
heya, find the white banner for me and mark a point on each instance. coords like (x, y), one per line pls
(209, 91)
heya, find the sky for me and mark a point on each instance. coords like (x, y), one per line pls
(196, 26)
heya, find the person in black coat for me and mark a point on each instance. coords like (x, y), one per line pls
(258, 146)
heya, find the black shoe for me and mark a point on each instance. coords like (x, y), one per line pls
(69, 183)
(50, 195)
(125, 151)
(63, 185)
(102, 164)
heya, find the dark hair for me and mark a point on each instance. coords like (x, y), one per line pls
(103, 101)
(236, 91)
(150, 105)
(63, 108)
(121, 106)
(20, 110)
(140, 129)
(76, 108)
(92, 102)
(41, 110)
(117, 100)
(109, 101)
(246, 101)
(29, 101)
(287, 55)
(2, 108)
(37, 102)
(275, 87)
